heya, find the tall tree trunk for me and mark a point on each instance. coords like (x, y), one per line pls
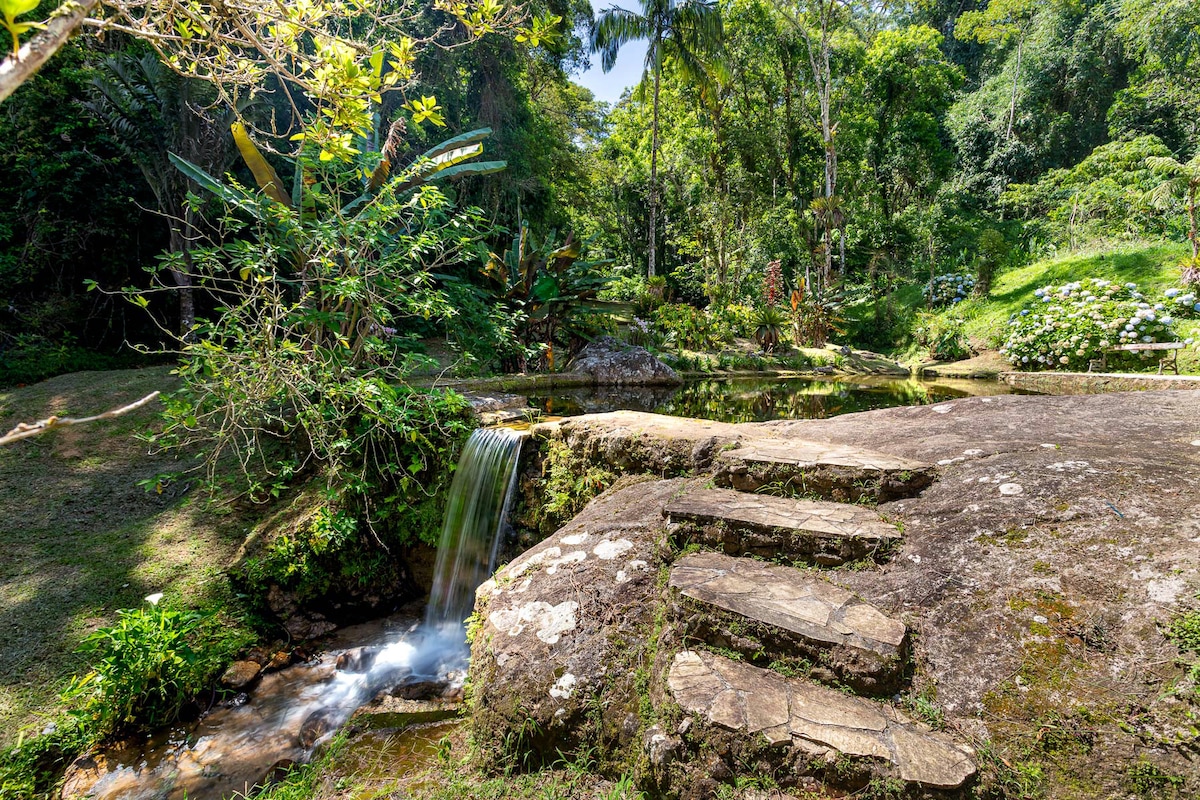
(1012, 103)
(1193, 185)
(654, 158)
(830, 162)
(180, 243)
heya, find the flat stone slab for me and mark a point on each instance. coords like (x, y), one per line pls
(837, 471)
(803, 530)
(745, 699)
(791, 613)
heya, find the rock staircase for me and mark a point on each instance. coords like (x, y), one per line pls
(739, 523)
(836, 471)
(779, 656)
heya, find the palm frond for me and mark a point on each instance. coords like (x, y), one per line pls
(614, 28)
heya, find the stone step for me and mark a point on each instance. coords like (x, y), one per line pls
(740, 523)
(774, 614)
(840, 738)
(833, 471)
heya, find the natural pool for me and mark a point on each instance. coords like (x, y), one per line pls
(255, 737)
(762, 399)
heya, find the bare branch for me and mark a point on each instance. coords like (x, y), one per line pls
(15, 70)
(27, 430)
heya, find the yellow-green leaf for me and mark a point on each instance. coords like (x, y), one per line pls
(264, 174)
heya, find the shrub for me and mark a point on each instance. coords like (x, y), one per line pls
(769, 323)
(943, 337)
(624, 288)
(949, 289)
(32, 357)
(817, 318)
(689, 326)
(1075, 323)
(1180, 303)
(730, 321)
(146, 667)
(994, 250)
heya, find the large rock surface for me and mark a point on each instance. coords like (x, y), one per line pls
(1037, 575)
(611, 362)
(570, 621)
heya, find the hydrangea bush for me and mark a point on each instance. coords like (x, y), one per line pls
(1070, 325)
(1181, 303)
(948, 289)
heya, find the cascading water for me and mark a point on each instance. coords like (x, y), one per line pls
(232, 748)
(476, 516)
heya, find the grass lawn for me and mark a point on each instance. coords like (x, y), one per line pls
(80, 538)
(1153, 266)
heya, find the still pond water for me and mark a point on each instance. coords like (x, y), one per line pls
(763, 399)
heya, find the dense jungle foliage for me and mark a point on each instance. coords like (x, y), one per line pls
(303, 223)
(861, 149)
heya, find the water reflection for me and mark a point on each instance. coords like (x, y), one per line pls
(762, 399)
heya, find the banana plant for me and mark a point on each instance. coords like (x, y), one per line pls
(441, 162)
(553, 290)
(350, 268)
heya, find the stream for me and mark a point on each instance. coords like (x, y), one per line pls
(251, 739)
(254, 737)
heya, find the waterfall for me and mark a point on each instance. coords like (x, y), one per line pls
(294, 709)
(476, 516)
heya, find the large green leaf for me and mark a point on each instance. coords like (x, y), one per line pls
(464, 170)
(545, 288)
(264, 174)
(439, 173)
(231, 195)
(458, 142)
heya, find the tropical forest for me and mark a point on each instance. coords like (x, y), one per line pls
(612, 400)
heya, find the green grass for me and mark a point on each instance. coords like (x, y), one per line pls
(1151, 265)
(81, 539)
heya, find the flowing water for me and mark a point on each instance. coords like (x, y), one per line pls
(292, 711)
(476, 513)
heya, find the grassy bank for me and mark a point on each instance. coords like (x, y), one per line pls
(1151, 265)
(82, 536)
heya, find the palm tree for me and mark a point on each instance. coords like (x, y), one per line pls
(1181, 179)
(682, 32)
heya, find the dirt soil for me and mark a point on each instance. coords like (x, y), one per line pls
(81, 538)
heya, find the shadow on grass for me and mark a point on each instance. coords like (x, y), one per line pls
(81, 539)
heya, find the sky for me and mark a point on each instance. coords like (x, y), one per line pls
(625, 73)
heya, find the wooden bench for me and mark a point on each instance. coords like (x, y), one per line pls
(1171, 360)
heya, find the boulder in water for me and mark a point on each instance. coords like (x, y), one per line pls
(83, 774)
(357, 660)
(421, 690)
(240, 674)
(318, 724)
(609, 361)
